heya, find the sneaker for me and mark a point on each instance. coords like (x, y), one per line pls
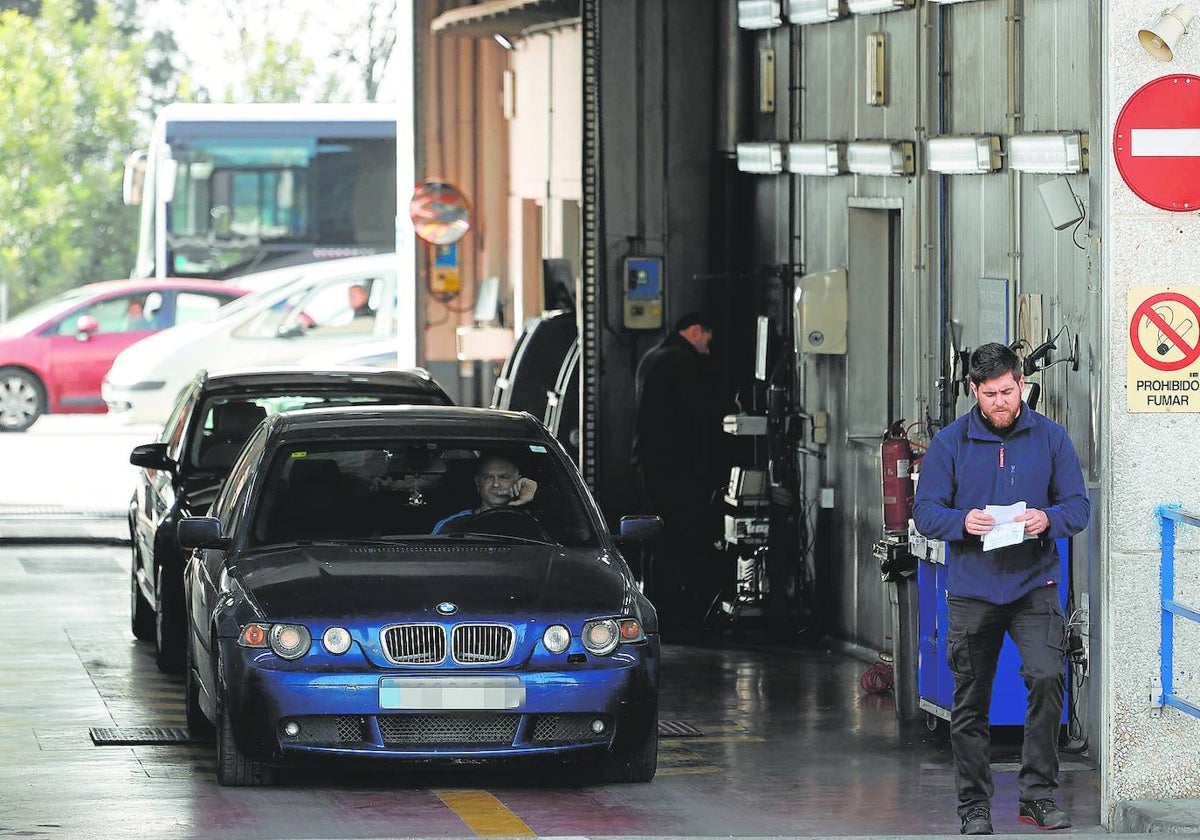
(1044, 813)
(977, 820)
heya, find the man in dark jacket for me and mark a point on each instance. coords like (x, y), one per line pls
(678, 421)
(1000, 453)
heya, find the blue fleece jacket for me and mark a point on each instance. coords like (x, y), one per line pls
(970, 466)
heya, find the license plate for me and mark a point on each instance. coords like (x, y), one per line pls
(451, 693)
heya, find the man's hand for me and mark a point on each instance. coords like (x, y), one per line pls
(978, 523)
(522, 491)
(1035, 521)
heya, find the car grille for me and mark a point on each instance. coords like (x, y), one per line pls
(414, 644)
(327, 730)
(398, 730)
(568, 729)
(425, 644)
(476, 644)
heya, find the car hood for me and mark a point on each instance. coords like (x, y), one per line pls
(140, 360)
(388, 583)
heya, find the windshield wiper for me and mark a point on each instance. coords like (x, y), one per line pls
(497, 538)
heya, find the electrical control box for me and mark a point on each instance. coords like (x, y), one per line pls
(821, 312)
(643, 293)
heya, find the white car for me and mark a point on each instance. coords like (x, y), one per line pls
(279, 325)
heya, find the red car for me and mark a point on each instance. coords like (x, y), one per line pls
(53, 356)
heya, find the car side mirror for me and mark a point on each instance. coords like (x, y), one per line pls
(640, 528)
(85, 325)
(152, 456)
(201, 532)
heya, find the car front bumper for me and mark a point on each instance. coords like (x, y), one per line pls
(343, 713)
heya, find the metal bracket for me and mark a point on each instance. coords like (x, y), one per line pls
(1156, 696)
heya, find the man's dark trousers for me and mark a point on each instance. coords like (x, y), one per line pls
(1037, 626)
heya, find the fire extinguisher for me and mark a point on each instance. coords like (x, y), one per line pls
(897, 478)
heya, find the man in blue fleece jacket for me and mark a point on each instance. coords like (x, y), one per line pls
(999, 453)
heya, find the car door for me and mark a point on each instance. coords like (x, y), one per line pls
(320, 316)
(77, 361)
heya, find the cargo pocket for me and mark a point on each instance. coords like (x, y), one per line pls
(1056, 628)
(958, 653)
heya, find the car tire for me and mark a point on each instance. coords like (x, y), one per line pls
(234, 769)
(141, 614)
(635, 762)
(199, 727)
(22, 399)
(169, 636)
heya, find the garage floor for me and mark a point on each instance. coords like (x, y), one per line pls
(761, 741)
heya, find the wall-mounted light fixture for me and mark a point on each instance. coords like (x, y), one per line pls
(814, 11)
(972, 155)
(1063, 152)
(880, 157)
(1160, 39)
(760, 158)
(816, 158)
(503, 41)
(867, 7)
(759, 14)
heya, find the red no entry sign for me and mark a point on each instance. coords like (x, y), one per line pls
(1156, 143)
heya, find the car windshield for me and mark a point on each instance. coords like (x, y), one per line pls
(38, 314)
(227, 421)
(422, 488)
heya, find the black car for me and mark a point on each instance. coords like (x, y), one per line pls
(183, 470)
(416, 584)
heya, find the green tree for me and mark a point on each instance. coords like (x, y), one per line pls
(68, 91)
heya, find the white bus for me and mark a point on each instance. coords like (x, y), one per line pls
(229, 189)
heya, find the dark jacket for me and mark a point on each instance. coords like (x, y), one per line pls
(677, 418)
(964, 469)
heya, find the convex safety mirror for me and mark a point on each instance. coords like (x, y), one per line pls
(440, 213)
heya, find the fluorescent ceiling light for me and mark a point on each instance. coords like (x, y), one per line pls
(760, 158)
(1056, 152)
(866, 7)
(881, 157)
(759, 14)
(815, 11)
(816, 158)
(964, 155)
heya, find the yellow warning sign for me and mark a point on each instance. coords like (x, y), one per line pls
(1163, 357)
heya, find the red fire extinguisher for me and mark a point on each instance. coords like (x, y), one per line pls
(897, 478)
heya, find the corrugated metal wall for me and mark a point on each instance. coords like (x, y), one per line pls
(1008, 66)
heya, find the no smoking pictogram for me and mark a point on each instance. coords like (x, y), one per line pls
(1163, 331)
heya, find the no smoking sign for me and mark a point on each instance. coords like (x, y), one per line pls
(1163, 358)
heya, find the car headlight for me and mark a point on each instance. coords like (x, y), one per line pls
(254, 635)
(289, 641)
(601, 637)
(556, 638)
(336, 640)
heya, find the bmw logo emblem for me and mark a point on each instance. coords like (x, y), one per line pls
(446, 608)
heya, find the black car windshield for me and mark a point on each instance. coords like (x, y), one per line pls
(227, 421)
(428, 489)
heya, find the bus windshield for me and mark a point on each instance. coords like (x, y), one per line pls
(225, 196)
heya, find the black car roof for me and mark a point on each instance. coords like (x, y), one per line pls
(260, 379)
(449, 421)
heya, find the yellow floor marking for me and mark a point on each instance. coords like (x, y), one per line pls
(688, 771)
(484, 814)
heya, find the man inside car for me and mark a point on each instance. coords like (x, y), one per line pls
(500, 484)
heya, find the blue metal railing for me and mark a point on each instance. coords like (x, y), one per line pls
(1168, 515)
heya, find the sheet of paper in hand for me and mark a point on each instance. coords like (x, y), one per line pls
(1006, 531)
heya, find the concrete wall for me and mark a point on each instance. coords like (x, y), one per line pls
(1148, 459)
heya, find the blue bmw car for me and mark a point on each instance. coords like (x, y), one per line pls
(415, 583)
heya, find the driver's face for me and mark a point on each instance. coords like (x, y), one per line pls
(495, 480)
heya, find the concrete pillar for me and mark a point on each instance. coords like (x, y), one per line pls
(1147, 458)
